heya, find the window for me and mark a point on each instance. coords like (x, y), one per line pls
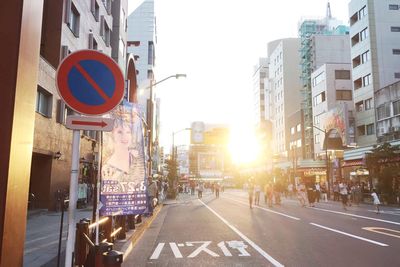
(44, 102)
(393, 7)
(395, 29)
(319, 99)
(383, 111)
(316, 139)
(397, 75)
(362, 13)
(319, 78)
(361, 130)
(343, 95)
(365, 57)
(368, 104)
(150, 53)
(360, 106)
(317, 119)
(364, 34)
(355, 39)
(298, 127)
(356, 61)
(73, 22)
(107, 5)
(292, 130)
(63, 111)
(370, 129)
(357, 84)
(94, 7)
(396, 107)
(342, 75)
(298, 143)
(396, 51)
(353, 19)
(367, 79)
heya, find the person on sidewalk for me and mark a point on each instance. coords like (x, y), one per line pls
(376, 200)
(251, 192)
(257, 190)
(217, 188)
(269, 194)
(151, 195)
(343, 193)
(200, 190)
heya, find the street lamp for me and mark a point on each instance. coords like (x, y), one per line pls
(326, 157)
(150, 113)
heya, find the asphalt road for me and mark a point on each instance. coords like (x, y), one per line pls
(226, 232)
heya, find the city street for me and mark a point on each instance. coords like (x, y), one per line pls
(226, 232)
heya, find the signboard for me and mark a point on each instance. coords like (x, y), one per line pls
(338, 118)
(123, 186)
(197, 132)
(89, 123)
(90, 82)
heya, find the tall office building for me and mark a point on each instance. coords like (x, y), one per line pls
(284, 89)
(375, 50)
(312, 57)
(141, 42)
(260, 81)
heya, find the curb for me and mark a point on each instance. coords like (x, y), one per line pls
(138, 232)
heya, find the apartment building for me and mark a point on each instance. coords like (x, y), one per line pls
(375, 50)
(260, 76)
(67, 26)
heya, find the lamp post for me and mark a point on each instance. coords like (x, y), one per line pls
(150, 115)
(326, 158)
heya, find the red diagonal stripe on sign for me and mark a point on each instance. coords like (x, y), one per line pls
(91, 81)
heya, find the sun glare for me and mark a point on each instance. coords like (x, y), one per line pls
(243, 146)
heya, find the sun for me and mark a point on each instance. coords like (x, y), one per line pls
(243, 145)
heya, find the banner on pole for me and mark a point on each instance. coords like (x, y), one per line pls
(123, 185)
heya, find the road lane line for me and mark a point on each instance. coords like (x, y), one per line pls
(376, 230)
(157, 251)
(251, 243)
(268, 210)
(353, 236)
(358, 216)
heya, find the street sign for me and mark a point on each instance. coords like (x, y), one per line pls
(90, 123)
(90, 82)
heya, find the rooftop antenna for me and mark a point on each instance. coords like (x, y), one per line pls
(328, 11)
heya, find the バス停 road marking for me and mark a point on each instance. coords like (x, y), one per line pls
(381, 230)
(175, 250)
(350, 235)
(224, 249)
(250, 242)
(157, 251)
(357, 216)
(203, 247)
(268, 210)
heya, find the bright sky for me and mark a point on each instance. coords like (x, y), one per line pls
(217, 43)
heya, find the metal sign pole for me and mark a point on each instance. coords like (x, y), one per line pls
(73, 197)
(98, 186)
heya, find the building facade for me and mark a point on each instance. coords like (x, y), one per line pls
(375, 39)
(67, 26)
(260, 77)
(332, 96)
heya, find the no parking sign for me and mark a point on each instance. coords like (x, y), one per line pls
(90, 82)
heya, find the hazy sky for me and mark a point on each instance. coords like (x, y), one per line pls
(217, 43)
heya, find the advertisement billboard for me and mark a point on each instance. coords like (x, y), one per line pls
(123, 171)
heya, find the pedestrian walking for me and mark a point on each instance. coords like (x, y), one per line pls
(217, 188)
(324, 194)
(343, 193)
(251, 193)
(376, 200)
(151, 195)
(268, 194)
(301, 194)
(200, 190)
(257, 190)
(335, 191)
(317, 192)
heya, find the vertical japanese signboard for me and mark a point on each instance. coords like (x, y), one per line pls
(123, 186)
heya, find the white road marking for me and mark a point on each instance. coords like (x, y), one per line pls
(175, 250)
(380, 229)
(181, 245)
(358, 216)
(396, 213)
(268, 210)
(224, 249)
(239, 245)
(157, 251)
(203, 247)
(350, 235)
(251, 243)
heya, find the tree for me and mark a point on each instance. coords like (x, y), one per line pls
(172, 168)
(379, 162)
